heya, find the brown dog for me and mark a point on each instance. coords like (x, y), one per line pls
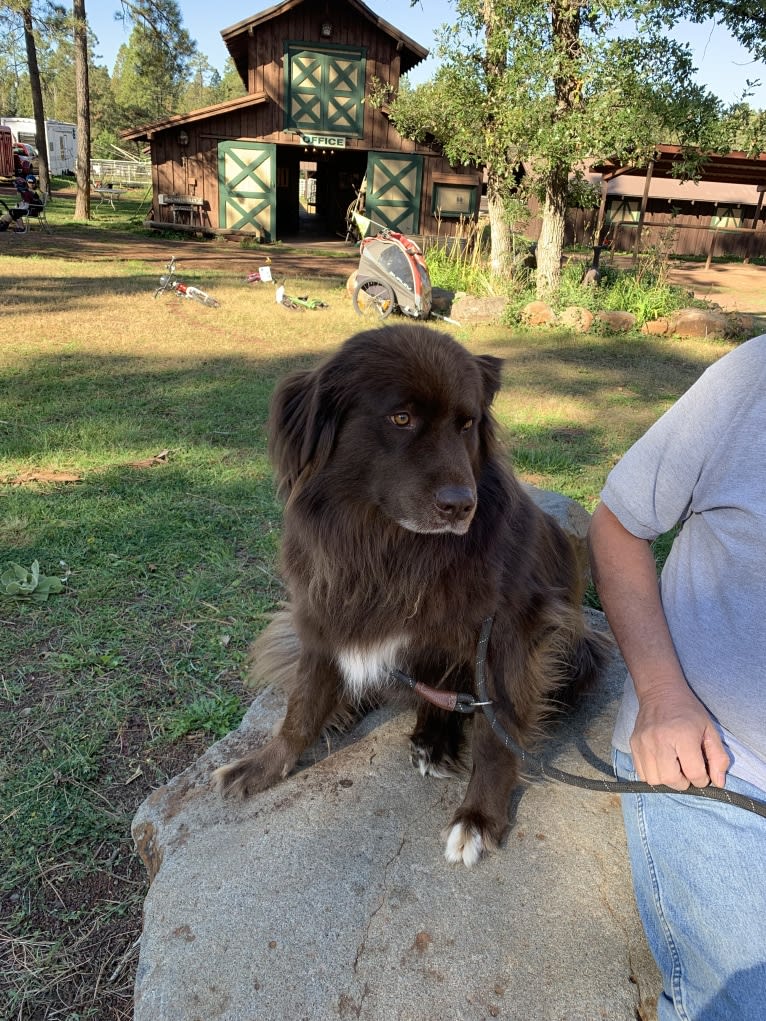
(403, 530)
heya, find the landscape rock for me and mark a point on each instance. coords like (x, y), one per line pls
(572, 517)
(328, 896)
(700, 322)
(656, 327)
(576, 318)
(537, 313)
(617, 322)
(470, 309)
(742, 325)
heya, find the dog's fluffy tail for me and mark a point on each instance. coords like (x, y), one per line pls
(590, 657)
(273, 656)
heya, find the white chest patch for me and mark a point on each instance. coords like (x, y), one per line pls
(367, 667)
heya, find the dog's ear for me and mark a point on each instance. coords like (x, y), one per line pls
(301, 427)
(490, 368)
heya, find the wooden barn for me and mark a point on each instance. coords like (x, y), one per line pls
(288, 158)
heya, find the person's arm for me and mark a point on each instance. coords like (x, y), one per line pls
(674, 741)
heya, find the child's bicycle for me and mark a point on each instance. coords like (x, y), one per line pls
(297, 304)
(168, 282)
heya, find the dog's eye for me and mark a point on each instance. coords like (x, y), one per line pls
(401, 419)
(468, 424)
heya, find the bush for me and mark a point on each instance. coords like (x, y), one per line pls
(636, 291)
(461, 264)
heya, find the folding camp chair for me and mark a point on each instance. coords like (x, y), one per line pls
(36, 214)
(17, 216)
(31, 207)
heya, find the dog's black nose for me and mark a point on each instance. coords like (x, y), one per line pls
(454, 502)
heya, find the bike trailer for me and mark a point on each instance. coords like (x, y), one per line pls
(391, 259)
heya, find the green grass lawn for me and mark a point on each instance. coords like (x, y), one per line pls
(133, 462)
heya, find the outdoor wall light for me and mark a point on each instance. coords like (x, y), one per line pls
(183, 138)
(326, 29)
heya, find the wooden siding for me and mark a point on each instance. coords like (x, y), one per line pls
(192, 169)
(689, 232)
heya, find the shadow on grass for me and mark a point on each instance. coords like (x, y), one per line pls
(91, 404)
(93, 407)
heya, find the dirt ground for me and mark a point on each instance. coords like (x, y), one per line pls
(733, 286)
(332, 259)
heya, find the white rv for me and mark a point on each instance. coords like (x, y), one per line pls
(61, 141)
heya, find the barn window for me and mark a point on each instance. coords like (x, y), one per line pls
(325, 90)
(727, 217)
(451, 201)
(623, 210)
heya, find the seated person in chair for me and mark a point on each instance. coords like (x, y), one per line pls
(30, 202)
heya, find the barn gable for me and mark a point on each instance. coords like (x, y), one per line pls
(294, 152)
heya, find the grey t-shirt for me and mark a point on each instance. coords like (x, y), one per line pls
(704, 464)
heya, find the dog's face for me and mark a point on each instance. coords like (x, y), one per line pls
(397, 420)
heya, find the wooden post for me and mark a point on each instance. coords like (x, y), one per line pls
(756, 218)
(711, 248)
(601, 212)
(642, 214)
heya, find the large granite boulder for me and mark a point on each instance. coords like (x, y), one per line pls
(328, 896)
(700, 322)
(468, 309)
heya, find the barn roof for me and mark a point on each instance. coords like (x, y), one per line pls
(727, 168)
(178, 120)
(236, 36)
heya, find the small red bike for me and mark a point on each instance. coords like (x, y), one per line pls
(168, 282)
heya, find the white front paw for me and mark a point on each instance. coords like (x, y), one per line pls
(464, 844)
(420, 758)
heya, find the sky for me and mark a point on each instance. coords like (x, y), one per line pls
(723, 65)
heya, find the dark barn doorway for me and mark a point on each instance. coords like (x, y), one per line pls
(319, 186)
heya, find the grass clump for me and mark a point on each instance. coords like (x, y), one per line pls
(461, 264)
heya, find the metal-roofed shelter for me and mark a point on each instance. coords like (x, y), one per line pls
(720, 214)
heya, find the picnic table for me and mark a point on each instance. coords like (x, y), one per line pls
(108, 195)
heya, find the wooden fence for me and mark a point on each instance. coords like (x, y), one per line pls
(684, 234)
(691, 238)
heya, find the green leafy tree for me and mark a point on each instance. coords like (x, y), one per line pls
(545, 85)
(15, 98)
(34, 20)
(745, 19)
(152, 69)
(231, 85)
(201, 88)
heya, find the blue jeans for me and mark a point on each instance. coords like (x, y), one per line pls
(699, 875)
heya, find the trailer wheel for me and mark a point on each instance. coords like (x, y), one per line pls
(373, 298)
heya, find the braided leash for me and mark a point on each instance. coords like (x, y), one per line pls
(535, 766)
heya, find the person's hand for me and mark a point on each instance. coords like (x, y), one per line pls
(675, 742)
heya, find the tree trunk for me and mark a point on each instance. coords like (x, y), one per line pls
(565, 31)
(499, 228)
(82, 202)
(551, 242)
(37, 100)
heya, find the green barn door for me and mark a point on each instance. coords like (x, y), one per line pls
(393, 190)
(247, 194)
(325, 91)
